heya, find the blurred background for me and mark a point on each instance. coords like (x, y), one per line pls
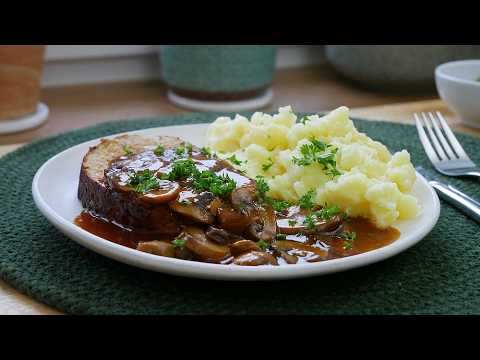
(46, 89)
(406, 66)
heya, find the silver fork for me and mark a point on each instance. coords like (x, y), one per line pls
(442, 147)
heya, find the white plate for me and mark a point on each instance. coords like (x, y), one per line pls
(55, 193)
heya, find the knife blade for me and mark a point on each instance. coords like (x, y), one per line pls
(452, 195)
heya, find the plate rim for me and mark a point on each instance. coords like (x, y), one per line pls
(201, 270)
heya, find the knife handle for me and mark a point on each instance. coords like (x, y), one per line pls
(464, 203)
(465, 196)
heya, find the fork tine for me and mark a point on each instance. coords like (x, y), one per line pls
(436, 145)
(445, 144)
(425, 142)
(451, 137)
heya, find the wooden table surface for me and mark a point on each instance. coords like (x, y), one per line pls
(310, 89)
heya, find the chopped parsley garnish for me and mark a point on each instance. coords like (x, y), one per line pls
(179, 243)
(182, 169)
(233, 159)
(278, 205)
(189, 147)
(180, 150)
(309, 222)
(262, 244)
(306, 201)
(268, 165)
(205, 151)
(304, 119)
(348, 239)
(143, 181)
(292, 223)
(159, 150)
(321, 153)
(127, 150)
(327, 212)
(262, 186)
(220, 185)
(281, 237)
(333, 172)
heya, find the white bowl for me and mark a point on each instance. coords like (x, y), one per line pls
(458, 86)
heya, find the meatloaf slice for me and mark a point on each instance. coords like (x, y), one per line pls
(123, 208)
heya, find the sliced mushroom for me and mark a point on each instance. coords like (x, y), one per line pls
(329, 225)
(335, 232)
(266, 226)
(255, 258)
(212, 164)
(289, 226)
(286, 225)
(233, 220)
(235, 175)
(227, 261)
(119, 171)
(205, 249)
(183, 253)
(269, 221)
(194, 206)
(254, 230)
(314, 258)
(243, 198)
(214, 206)
(243, 246)
(299, 249)
(222, 236)
(290, 259)
(161, 248)
(167, 191)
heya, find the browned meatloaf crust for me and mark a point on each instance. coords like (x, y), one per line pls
(123, 208)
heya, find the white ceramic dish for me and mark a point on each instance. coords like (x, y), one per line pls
(224, 106)
(458, 86)
(27, 122)
(55, 193)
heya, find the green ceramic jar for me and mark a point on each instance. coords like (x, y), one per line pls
(217, 77)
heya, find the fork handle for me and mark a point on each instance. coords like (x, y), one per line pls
(462, 202)
(474, 173)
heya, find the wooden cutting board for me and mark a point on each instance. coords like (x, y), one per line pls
(13, 302)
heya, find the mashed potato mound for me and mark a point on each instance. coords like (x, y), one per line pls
(372, 183)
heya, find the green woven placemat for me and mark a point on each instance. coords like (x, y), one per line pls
(440, 275)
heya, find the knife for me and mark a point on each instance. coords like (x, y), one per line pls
(455, 197)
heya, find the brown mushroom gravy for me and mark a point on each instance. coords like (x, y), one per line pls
(305, 248)
(222, 217)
